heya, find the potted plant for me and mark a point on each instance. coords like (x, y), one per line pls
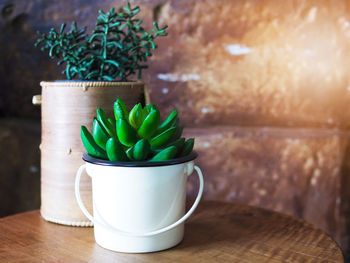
(98, 67)
(139, 168)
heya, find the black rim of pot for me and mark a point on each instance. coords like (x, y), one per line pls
(190, 157)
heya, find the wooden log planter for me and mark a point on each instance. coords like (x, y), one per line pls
(65, 106)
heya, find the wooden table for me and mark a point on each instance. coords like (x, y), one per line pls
(216, 232)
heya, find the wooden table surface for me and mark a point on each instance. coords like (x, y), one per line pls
(216, 232)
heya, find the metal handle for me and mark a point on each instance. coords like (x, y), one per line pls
(152, 233)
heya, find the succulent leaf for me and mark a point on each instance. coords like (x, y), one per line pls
(90, 145)
(112, 122)
(178, 133)
(135, 116)
(167, 122)
(166, 154)
(187, 147)
(178, 144)
(120, 111)
(101, 116)
(163, 138)
(149, 125)
(141, 150)
(134, 138)
(115, 150)
(126, 134)
(99, 134)
(147, 109)
(129, 153)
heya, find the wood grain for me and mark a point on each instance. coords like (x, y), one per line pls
(217, 232)
(66, 105)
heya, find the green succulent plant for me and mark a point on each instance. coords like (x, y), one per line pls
(117, 48)
(138, 135)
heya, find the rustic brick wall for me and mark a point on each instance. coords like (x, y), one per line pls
(297, 171)
(262, 85)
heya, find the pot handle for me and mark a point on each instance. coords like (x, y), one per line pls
(36, 100)
(152, 233)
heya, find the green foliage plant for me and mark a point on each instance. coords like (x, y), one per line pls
(117, 48)
(136, 136)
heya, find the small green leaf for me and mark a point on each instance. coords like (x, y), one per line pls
(108, 78)
(112, 62)
(117, 48)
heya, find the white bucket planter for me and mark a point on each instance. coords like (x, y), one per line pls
(139, 207)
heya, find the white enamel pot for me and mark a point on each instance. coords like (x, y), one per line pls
(139, 207)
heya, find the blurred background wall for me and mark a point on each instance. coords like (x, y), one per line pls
(262, 85)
